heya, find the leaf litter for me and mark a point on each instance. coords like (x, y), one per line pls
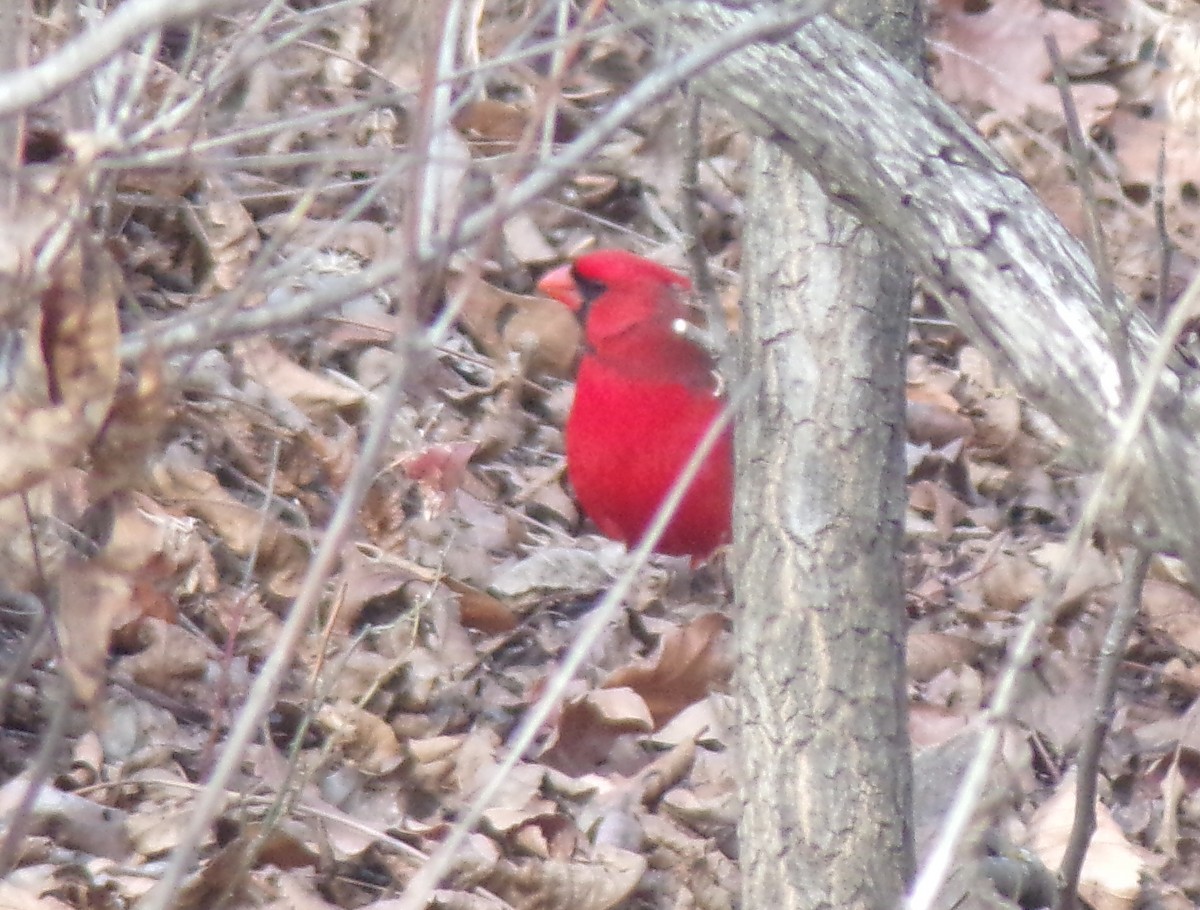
(169, 507)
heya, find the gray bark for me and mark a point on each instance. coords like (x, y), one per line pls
(819, 618)
(892, 153)
(820, 621)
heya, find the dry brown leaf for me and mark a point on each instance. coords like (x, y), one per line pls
(1181, 677)
(1138, 141)
(229, 233)
(301, 889)
(936, 424)
(539, 829)
(996, 56)
(936, 500)
(172, 660)
(1060, 699)
(1174, 789)
(1090, 574)
(495, 124)
(480, 610)
(365, 738)
(364, 579)
(59, 375)
(1112, 867)
(929, 653)
(557, 570)
(589, 726)
(546, 334)
(72, 821)
(712, 879)
(926, 385)
(92, 602)
(526, 242)
(929, 725)
(1010, 581)
(601, 884)
(132, 431)
(361, 581)
(27, 895)
(665, 772)
(701, 722)
(502, 323)
(366, 241)
(225, 871)
(245, 529)
(281, 374)
(1173, 611)
(432, 760)
(690, 662)
(997, 421)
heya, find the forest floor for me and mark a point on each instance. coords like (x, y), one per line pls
(173, 544)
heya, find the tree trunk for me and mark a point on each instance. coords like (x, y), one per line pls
(820, 624)
(1018, 284)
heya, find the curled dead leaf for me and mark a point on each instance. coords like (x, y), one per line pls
(58, 353)
(936, 425)
(92, 602)
(365, 738)
(502, 323)
(936, 500)
(1112, 867)
(929, 653)
(690, 662)
(1173, 611)
(1010, 581)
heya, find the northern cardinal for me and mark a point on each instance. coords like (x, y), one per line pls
(644, 396)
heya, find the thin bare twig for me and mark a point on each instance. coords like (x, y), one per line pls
(15, 22)
(35, 775)
(1112, 311)
(1112, 652)
(1108, 493)
(81, 55)
(702, 278)
(210, 328)
(1165, 247)
(262, 693)
(420, 888)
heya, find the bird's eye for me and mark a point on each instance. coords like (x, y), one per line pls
(589, 289)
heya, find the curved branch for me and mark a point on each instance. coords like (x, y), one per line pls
(78, 57)
(1019, 285)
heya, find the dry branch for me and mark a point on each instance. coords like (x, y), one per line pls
(1022, 288)
(77, 58)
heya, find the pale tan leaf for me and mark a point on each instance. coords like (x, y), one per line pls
(690, 662)
(1011, 581)
(282, 375)
(996, 56)
(365, 738)
(92, 602)
(931, 652)
(58, 357)
(1112, 867)
(1173, 611)
(229, 232)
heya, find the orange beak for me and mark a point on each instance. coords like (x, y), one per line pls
(559, 284)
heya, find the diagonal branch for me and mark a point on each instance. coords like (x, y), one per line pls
(1022, 288)
(78, 57)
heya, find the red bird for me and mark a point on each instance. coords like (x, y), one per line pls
(644, 396)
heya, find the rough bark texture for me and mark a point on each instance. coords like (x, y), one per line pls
(876, 139)
(820, 607)
(14, 53)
